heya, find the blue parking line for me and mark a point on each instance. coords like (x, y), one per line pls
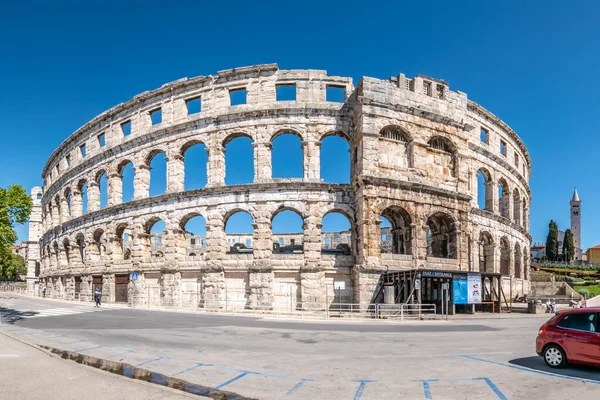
(240, 376)
(361, 388)
(192, 368)
(571, 378)
(500, 395)
(426, 387)
(90, 348)
(76, 341)
(149, 361)
(298, 386)
(125, 351)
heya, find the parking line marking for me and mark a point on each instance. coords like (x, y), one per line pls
(90, 348)
(426, 387)
(149, 361)
(298, 386)
(192, 368)
(361, 388)
(500, 395)
(240, 376)
(571, 378)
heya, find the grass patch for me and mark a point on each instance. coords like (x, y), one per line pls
(594, 290)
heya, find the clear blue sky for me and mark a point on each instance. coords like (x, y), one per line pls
(533, 63)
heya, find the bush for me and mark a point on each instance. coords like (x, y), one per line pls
(585, 293)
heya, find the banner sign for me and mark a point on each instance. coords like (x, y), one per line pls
(474, 281)
(460, 289)
(436, 274)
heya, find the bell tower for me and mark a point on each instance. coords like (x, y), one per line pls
(576, 223)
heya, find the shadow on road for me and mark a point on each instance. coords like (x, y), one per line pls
(10, 315)
(573, 371)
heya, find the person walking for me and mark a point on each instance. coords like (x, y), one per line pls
(97, 296)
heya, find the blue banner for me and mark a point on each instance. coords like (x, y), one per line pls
(460, 290)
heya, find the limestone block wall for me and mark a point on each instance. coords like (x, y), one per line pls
(416, 149)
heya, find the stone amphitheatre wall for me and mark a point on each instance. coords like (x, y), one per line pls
(415, 151)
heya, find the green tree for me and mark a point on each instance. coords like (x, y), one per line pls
(15, 207)
(13, 267)
(568, 246)
(552, 241)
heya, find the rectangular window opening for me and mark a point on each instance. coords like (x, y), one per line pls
(194, 106)
(83, 150)
(101, 140)
(427, 88)
(336, 94)
(68, 160)
(248, 242)
(237, 96)
(439, 90)
(192, 241)
(484, 135)
(57, 168)
(503, 148)
(156, 116)
(126, 128)
(285, 92)
(517, 160)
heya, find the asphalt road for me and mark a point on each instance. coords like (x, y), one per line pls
(280, 359)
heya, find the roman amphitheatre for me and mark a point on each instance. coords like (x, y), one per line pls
(437, 185)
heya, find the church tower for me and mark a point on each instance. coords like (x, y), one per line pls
(576, 223)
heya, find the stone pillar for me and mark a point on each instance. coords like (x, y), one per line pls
(216, 166)
(213, 278)
(262, 162)
(115, 189)
(108, 288)
(313, 291)
(312, 160)
(93, 196)
(65, 212)
(136, 291)
(170, 289)
(261, 274)
(491, 196)
(175, 173)
(55, 214)
(141, 182)
(312, 238)
(77, 204)
(140, 249)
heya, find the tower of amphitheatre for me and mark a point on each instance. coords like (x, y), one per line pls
(420, 154)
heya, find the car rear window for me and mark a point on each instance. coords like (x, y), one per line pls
(579, 321)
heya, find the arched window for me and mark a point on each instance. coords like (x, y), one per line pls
(195, 161)
(156, 231)
(440, 143)
(80, 240)
(102, 181)
(194, 227)
(335, 160)
(336, 234)
(239, 160)
(504, 257)
(441, 236)
(485, 194)
(287, 232)
(399, 241)
(287, 156)
(486, 252)
(158, 173)
(83, 189)
(99, 247)
(127, 173)
(239, 233)
(443, 158)
(394, 132)
(67, 251)
(125, 240)
(503, 198)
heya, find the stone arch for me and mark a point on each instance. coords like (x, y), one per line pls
(80, 242)
(486, 252)
(516, 206)
(124, 239)
(518, 262)
(400, 235)
(238, 241)
(124, 189)
(150, 154)
(504, 256)
(66, 246)
(244, 154)
(338, 241)
(101, 180)
(485, 192)
(337, 166)
(194, 161)
(442, 143)
(335, 133)
(396, 133)
(503, 198)
(443, 155)
(442, 236)
(287, 131)
(83, 194)
(235, 135)
(154, 236)
(56, 249)
(58, 208)
(287, 154)
(195, 241)
(289, 240)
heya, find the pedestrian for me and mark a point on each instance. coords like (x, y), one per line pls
(97, 296)
(44, 292)
(553, 306)
(548, 306)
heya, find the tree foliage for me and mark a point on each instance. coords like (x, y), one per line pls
(12, 267)
(552, 241)
(568, 246)
(15, 207)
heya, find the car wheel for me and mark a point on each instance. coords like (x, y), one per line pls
(555, 356)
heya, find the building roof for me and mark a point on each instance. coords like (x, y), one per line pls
(575, 195)
(595, 247)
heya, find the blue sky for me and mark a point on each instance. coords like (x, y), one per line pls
(532, 63)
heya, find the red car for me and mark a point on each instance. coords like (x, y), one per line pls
(571, 336)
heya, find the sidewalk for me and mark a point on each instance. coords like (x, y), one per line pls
(29, 373)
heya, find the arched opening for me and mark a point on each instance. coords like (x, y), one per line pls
(395, 147)
(504, 257)
(67, 251)
(194, 227)
(99, 247)
(69, 202)
(239, 160)
(124, 240)
(336, 234)
(287, 156)
(441, 236)
(83, 189)
(398, 235)
(102, 181)
(287, 232)
(518, 261)
(503, 198)
(59, 211)
(158, 173)
(239, 231)
(157, 233)
(56, 255)
(517, 207)
(335, 160)
(127, 173)
(486, 252)
(485, 200)
(80, 241)
(195, 160)
(442, 155)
